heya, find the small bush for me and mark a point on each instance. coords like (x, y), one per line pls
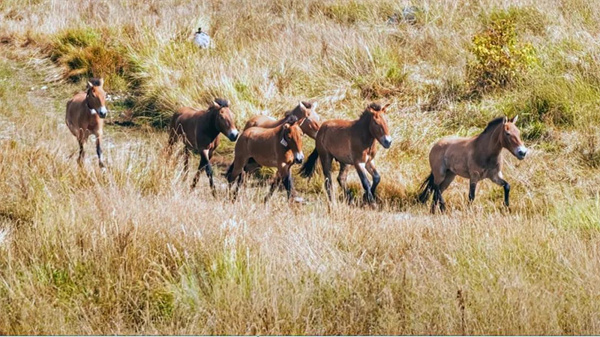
(499, 57)
(85, 53)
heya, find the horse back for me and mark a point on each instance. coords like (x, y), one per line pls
(261, 121)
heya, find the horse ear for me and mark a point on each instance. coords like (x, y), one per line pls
(302, 106)
(101, 82)
(514, 119)
(89, 85)
(385, 107)
(504, 120)
(216, 105)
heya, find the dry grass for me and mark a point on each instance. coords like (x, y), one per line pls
(133, 250)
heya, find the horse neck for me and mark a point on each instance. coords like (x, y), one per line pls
(488, 145)
(210, 129)
(361, 125)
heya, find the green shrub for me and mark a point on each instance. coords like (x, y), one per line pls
(499, 57)
(86, 53)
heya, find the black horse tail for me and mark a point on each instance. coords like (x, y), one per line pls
(426, 189)
(229, 172)
(308, 168)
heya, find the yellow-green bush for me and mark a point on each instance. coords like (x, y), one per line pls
(87, 53)
(500, 58)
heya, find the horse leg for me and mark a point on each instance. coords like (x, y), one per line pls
(99, 149)
(287, 182)
(81, 140)
(374, 174)
(204, 163)
(360, 169)
(240, 181)
(210, 172)
(342, 177)
(443, 186)
(81, 153)
(437, 193)
(276, 182)
(186, 161)
(472, 188)
(499, 180)
(326, 160)
(236, 171)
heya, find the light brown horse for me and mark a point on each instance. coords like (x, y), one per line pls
(85, 114)
(351, 143)
(279, 147)
(304, 111)
(199, 130)
(474, 158)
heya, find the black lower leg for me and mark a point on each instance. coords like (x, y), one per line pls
(287, 183)
(376, 180)
(203, 164)
(506, 186)
(472, 187)
(366, 186)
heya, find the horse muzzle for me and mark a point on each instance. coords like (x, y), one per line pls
(299, 157)
(102, 112)
(521, 152)
(386, 141)
(233, 135)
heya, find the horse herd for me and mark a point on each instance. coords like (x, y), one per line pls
(278, 143)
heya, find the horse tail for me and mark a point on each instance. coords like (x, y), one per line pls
(173, 137)
(308, 168)
(229, 172)
(426, 188)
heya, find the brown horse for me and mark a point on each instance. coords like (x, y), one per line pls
(304, 111)
(85, 114)
(474, 158)
(279, 147)
(199, 130)
(351, 143)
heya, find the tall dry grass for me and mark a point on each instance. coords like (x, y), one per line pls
(133, 250)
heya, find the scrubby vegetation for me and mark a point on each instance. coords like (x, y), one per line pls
(132, 250)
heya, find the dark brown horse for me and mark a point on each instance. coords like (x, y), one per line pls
(474, 158)
(279, 147)
(351, 143)
(199, 130)
(85, 116)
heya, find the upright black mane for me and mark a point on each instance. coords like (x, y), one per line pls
(374, 106)
(95, 81)
(492, 125)
(222, 102)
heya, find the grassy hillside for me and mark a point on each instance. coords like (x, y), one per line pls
(132, 250)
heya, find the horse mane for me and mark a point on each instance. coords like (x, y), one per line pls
(374, 106)
(95, 81)
(290, 119)
(222, 102)
(492, 125)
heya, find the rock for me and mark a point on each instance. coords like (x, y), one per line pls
(409, 15)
